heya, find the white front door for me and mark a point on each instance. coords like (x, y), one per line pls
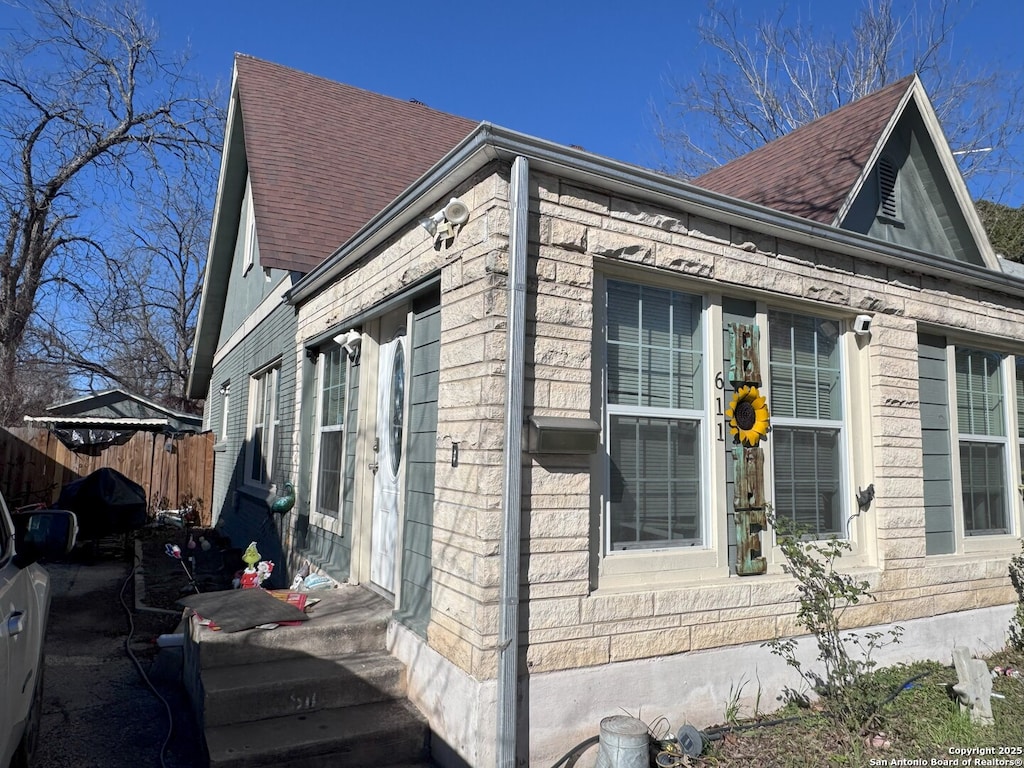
(391, 381)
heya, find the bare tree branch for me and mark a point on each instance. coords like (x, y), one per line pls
(765, 77)
(90, 111)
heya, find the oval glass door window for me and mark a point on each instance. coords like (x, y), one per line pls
(397, 407)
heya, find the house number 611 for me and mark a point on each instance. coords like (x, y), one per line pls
(720, 386)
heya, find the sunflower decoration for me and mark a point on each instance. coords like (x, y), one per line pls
(748, 416)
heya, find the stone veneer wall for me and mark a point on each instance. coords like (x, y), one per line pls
(467, 514)
(569, 624)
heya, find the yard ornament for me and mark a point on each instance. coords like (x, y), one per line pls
(284, 503)
(257, 571)
(748, 416)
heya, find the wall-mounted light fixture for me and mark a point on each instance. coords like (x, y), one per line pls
(441, 225)
(350, 341)
(557, 434)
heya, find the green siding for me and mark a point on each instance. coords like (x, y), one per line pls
(421, 438)
(935, 444)
(245, 292)
(240, 511)
(931, 218)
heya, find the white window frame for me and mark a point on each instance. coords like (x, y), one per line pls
(1018, 424)
(698, 415)
(639, 568)
(329, 522)
(225, 408)
(268, 422)
(841, 425)
(967, 543)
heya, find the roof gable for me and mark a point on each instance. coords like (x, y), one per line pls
(810, 171)
(828, 171)
(928, 207)
(322, 159)
(121, 408)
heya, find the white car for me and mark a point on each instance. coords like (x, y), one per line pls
(24, 607)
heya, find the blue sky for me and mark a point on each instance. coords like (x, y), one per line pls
(584, 73)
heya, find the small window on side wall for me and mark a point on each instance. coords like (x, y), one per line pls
(888, 189)
(225, 409)
(263, 424)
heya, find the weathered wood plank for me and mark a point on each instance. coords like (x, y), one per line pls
(35, 465)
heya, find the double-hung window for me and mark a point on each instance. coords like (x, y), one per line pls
(263, 426)
(807, 421)
(656, 417)
(330, 431)
(981, 423)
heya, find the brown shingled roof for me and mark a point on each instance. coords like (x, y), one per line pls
(811, 171)
(324, 157)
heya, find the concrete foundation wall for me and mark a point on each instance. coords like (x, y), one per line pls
(562, 709)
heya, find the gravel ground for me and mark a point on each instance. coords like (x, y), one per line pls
(97, 709)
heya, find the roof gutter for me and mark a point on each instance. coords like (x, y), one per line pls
(489, 142)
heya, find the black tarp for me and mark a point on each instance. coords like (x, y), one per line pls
(91, 442)
(106, 502)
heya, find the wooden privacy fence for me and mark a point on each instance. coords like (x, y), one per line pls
(35, 465)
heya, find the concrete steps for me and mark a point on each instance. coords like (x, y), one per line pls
(323, 693)
(385, 733)
(297, 685)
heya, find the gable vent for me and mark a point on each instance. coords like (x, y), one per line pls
(887, 191)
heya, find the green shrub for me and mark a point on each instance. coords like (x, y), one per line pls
(1017, 622)
(823, 595)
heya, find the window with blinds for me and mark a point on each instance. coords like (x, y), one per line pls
(330, 437)
(655, 368)
(807, 421)
(981, 423)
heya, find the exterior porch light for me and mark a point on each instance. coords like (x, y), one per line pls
(441, 225)
(350, 341)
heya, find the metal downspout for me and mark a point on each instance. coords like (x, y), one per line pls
(508, 623)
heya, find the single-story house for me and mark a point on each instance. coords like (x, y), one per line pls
(504, 376)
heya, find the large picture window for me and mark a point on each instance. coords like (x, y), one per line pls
(807, 421)
(656, 417)
(330, 436)
(981, 422)
(263, 416)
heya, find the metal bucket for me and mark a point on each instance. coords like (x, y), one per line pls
(624, 743)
